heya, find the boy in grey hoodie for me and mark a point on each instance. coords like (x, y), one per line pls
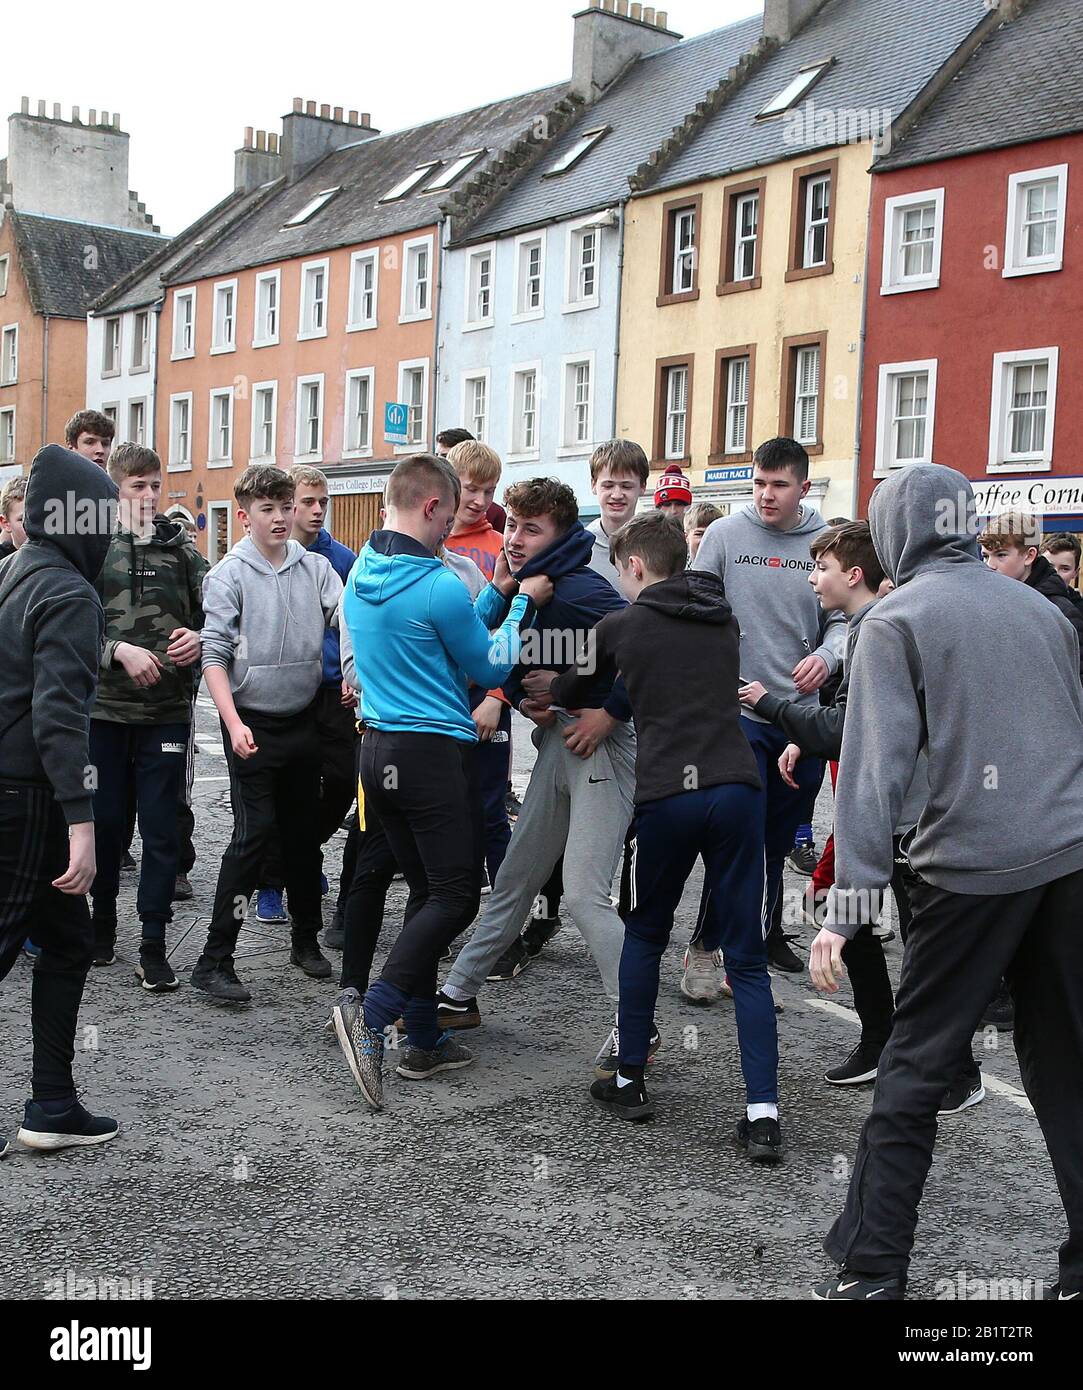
(761, 554)
(266, 606)
(993, 894)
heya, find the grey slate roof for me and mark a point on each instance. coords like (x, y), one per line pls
(885, 51)
(1024, 83)
(143, 285)
(68, 264)
(366, 171)
(642, 108)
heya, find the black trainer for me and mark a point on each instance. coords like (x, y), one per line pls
(127, 863)
(512, 805)
(962, 1096)
(219, 979)
(537, 933)
(182, 889)
(334, 938)
(305, 954)
(760, 1139)
(630, 1100)
(780, 956)
(1001, 1010)
(105, 942)
(75, 1127)
(153, 968)
(512, 963)
(803, 859)
(457, 1013)
(858, 1068)
(1059, 1295)
(859, 1288)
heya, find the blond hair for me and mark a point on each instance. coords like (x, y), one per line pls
(14, 491)
(475, 462)
(305, 473)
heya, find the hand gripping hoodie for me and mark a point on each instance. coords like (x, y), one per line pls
(418, 639)
(765, 572)
(920, 678)
(265, 626)
(52, 628)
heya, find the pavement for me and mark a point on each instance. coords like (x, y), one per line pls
(248, 1165)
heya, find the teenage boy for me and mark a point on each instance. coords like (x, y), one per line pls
(51, 633)
(151, 589)
(1063, 551)
(91, 434)
(580, 792)
(994, 894)
(418, 640)
(673, 495)
(679, 635)
(619, 474)
(1009, 545)
(696, 520)
(267, 605)
(334, 701)
(446, 440)
(761, 556)
(12, 505)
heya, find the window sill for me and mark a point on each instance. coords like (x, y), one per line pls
(139, 370)
(219, 463)
(365, 453)
(1021, 466)
(729, 460)
(308, 458)
(361, 327)
(739, 286)
(571, 451)
(811, 272)
(181, 356)
(227, 347)
(528, 316)
(685, 297)
(531, 456)
(418, 448)
(415, 318)
(911, 287)
(660, 465)
(264, 342)
(813, 450)
(576, 306)
(1013, 272)
(178, 467)
(106, 376)
(316, 333)
(477, 327)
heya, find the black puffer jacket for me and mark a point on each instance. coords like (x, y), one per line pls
(1048, 582)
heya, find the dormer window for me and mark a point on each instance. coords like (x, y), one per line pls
(410, 182)
(795, 89)
(453, 171)
(312, 207)
(574, 153)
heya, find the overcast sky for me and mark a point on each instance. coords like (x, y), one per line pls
(187, 81)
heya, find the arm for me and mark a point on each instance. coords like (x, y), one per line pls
(486, 658)
(832, 646)
(345, 651)
(491, 606)
(240, 734)
(330, 586)
(815, 730)
(593, 658)
(883, 737)
(67, 639)
(221, 621)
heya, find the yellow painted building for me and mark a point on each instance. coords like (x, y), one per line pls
(745, 356)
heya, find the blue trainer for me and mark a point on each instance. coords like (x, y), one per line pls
(269, 906)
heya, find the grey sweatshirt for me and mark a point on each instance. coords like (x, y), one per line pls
(265, 626)
(599, 560)
(920, 678)
(765, 572)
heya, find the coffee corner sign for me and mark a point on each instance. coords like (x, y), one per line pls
(1041, 496)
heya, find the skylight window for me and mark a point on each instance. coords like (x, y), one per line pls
(453, 171)
(312, 207)
(410, 182)
(575, 153)
(795, 89)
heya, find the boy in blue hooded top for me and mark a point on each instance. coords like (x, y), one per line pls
(418, 640)
(580, 792)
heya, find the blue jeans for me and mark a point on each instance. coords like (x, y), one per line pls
(725, 825)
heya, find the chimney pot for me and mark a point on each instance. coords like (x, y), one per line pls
(661, 19)
(116, 120)
(298, 104)
(25, 106)
(41, 108)
(622, 7)
(93, 115)
(648, 14)
(352, 117)
(366, 119)
(75, 116)
(261, 139)
(272, 143)
(248, 137)
(637, 9)
(105, 118)
(325, 111)
(338, 113)
(56, 111)
(310, 108)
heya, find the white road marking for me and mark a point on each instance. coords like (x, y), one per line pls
(206, 746)
(991, 1083)
(223, 778)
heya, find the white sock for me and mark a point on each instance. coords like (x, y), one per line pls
(765, 1110)
(454, 992)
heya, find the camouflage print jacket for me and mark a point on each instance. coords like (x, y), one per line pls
(148, 590)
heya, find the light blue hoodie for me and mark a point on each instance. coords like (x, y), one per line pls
(418, 639)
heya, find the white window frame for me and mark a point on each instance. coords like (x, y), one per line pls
(810, 225)
(573, 261)
(413, 364)
(265, 277)
(999, 459)
(254, 423)
(739, 241)
(885, 461)
(667, 452)
(568, 447)
(137, 400)
(410, 247)
(304, 455)
(174, 465)
(212, 530)
(221, 393)
(8, 410)
(371, 257)
(521, 243)
(802, 81)
(5, 273)
(10, 332)
(312, 207)
(471, 322)
(365, 449)
(409, 183)
(114, 320)
(515, 454)
(895, 209)
(111, 411)
(1015, 263)
(728, 444)
(577, 151)
(140, 364)
(680, 253)
(820, 396)
(229, 344)
(178, 296)
(466, 408)
(309, 268)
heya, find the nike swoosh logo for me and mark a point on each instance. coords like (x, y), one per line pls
(843, 1287)
(1066, 1297)
(874, 1293)
(592, 780)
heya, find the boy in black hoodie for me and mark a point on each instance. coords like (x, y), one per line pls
(698, 791)
(51, 634)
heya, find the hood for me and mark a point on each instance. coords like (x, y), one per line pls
(389, 564)
(246, 551)
(71, 506)
(923, 517)
(810, 521)
(571, 551)
(1047, 581)
(697, 595)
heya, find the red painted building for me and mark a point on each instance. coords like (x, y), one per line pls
(974, 333)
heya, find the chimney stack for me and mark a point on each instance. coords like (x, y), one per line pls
(609, 34)
(783, 18)
(307, 137)
(257, 161)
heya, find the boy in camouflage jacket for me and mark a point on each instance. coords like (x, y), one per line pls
(151, 590)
